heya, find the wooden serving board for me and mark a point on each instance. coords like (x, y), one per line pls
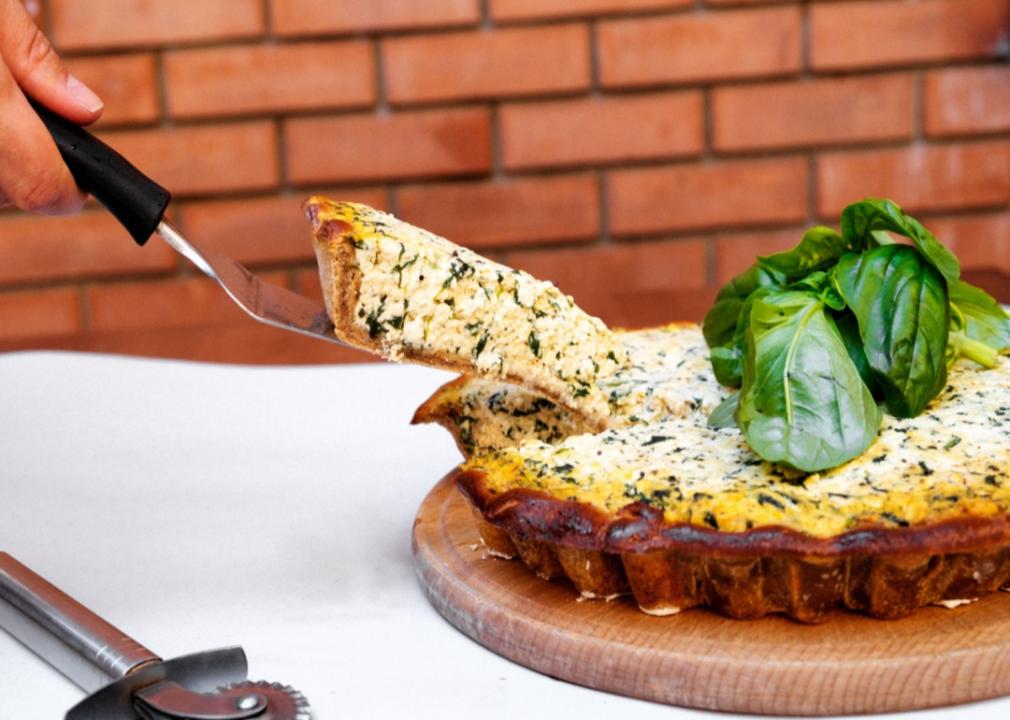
(850, 664)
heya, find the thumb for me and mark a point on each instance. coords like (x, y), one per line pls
(37, 68)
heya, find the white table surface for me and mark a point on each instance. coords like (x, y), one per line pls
(198, 506)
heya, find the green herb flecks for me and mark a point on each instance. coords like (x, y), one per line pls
(481, 344)
(534, 343)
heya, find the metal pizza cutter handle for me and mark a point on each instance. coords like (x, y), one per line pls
(126, 681)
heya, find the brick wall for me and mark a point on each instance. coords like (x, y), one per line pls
(637, 152)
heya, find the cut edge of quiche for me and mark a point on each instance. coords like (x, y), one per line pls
(661, 379)
(409, 295)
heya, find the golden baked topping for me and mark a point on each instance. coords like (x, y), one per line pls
(949, 462)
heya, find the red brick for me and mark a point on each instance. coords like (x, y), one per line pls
(506, 212)
(968, 100)
(979, 241)
(621, 283)
(267, 78)
(261, 230)
(896, 32)
(918, 178)
(818, 112)
(102, 24)
(735, 252)
(487, 63)
(89, 244)
(683, 48)
(712, 195)
(314, 17)
(40, 313)
(593, 130)
(127, 83)
(533, 9)
(204, 159)
(185, 302)
(403, 145)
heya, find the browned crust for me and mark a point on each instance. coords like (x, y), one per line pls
(433, 410)
(883, 572)
(341, 282)
(436, 410)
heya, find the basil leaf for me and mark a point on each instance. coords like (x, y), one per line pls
(721, 321)
(820, 248)
(727, 360)
(724, 414)
(863, 221)
(981, 317)
(726, 322)
(900, 303)
(802, 402)
(727, 364)
(979, 327)
(820, 283)
(848, 328)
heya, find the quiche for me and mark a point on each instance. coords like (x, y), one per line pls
(610, 476)
(682, 515)
(408, 294)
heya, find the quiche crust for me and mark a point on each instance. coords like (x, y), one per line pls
(668, 567)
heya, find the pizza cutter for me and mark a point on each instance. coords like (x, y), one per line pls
(126, 681)
(140, 204)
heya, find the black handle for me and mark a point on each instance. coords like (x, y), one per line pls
(135, 199)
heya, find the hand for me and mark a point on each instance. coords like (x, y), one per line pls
(33, 176)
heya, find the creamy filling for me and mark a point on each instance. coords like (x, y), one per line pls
(950, 461)
(667, 376)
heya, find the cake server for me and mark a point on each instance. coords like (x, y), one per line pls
(126, 681)
(140, 204)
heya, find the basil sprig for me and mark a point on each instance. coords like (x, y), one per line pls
(817, 337)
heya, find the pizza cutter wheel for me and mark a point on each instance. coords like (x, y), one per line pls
(126, 681)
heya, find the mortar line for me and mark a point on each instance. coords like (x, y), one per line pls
(918, 107)
(497, 166)
(595, 88)
(381, 99)
(602, 192)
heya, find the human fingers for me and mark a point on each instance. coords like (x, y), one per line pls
(33, 176)
(37, 68)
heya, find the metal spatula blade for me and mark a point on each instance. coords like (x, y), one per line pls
(263, 301)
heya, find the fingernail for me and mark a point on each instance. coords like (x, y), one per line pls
(83, 95)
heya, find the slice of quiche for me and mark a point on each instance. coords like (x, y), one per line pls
(407, 294)
(667, 376)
